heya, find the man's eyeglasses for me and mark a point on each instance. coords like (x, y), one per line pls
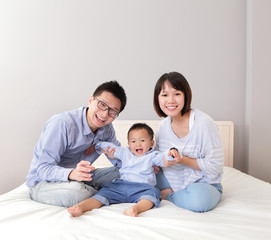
(103, 106)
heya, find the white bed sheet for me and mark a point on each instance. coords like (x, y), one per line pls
(243, 213)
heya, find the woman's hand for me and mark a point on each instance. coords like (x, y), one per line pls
(82, 172)
(177, 159)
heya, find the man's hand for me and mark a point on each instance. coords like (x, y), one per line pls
(82, 172)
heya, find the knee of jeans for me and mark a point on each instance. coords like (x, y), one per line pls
(69, 199)
(104, 175)
(70, 194)
(200, 198)
(76, 193)
(115, 173)
(64, 194)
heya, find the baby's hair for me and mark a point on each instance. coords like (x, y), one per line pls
(141, 126)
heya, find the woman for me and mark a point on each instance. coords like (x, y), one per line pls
(193, 180)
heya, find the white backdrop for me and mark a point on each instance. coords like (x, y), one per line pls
(54, 53)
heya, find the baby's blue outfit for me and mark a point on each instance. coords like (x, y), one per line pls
(137, 179)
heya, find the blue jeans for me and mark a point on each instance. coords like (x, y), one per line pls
(67, 194)
(197, 197)
(121, 191)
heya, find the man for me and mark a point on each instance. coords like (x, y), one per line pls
(60, 172)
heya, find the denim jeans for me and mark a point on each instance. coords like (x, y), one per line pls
(67, 194)
(121, 191)
(197, 197)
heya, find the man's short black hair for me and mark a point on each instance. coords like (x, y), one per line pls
(115, 89)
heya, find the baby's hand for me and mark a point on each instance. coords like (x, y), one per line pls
(109, 151)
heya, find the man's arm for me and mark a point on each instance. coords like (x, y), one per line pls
(52, 144)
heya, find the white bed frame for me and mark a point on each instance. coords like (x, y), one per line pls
(226, 130)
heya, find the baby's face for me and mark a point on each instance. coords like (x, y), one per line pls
(140, 141)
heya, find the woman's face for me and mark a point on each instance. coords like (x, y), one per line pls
(171, 101)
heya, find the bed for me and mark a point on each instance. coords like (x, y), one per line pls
(243, 213)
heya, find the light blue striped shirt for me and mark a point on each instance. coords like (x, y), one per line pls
(135, 168)
(62, 145)
(202, 143)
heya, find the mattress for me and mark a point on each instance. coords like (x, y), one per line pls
(243, 213)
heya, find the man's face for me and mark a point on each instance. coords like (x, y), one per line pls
(96, 117)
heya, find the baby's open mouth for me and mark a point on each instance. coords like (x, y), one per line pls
(139, 151)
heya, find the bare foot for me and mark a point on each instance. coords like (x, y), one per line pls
(75, 211)
(165, 192)
(132, 212)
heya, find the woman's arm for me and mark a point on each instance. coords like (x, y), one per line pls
(186, 161)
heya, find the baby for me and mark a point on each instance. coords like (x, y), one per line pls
(137, 178)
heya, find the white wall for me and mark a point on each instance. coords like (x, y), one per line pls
(259, 76)
(54, 53)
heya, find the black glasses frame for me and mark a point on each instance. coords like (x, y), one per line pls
(103, 106)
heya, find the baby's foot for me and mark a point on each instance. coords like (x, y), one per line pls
(75, 211)
(132, 212)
